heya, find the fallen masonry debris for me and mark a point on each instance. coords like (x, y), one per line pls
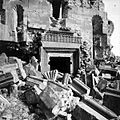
(28, 94)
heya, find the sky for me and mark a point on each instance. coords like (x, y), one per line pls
(112, 7)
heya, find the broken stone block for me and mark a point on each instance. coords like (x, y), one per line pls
(79, 87)
(37, 90)
(11, 60)
(102, 84)
(30, 70)
(34, 62)
(66, 104)
(53, 93)
(4, 103)
(8, 67)
(96, 109)
(20, 66)
(15, 76)
(6, 80)
(13, 69)
(34, 80)
(39, 83)
(3, 59)
(49, 97)
(67, 79)
(57, 86)
(112, 101)
(80, 114)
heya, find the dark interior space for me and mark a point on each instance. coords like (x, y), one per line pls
(97, 23)
(56, 8)
(62, 64)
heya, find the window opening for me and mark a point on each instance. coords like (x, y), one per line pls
(20, 11)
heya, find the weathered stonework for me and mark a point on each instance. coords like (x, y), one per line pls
(80, 18)
(77, 17)
(38, 16)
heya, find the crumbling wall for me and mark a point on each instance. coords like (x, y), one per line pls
(80, 19)
(36, 14)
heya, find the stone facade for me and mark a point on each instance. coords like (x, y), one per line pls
(82, 18)
(79, 17)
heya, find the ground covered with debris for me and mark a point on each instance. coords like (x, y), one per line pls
(27, 94)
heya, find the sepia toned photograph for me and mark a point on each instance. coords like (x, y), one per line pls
(59, 59)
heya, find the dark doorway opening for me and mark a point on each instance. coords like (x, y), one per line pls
(62, 64)
(56, 8)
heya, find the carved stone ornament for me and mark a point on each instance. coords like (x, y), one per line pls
(85, 3)
(98, 4)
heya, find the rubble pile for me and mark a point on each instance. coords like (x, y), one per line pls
(16, 110)
(27, 94)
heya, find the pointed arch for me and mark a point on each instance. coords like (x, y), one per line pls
(97, 24)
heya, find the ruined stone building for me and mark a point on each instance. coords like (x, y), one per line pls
(60, 26)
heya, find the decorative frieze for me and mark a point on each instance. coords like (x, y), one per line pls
(57, 36)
